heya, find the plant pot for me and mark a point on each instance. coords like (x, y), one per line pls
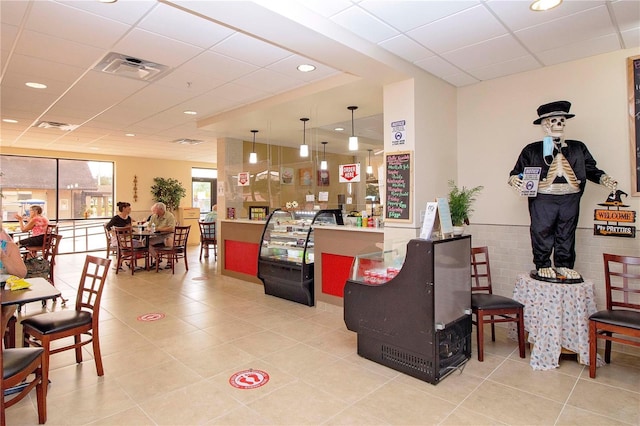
(458, 230)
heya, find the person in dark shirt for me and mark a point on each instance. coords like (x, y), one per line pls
(120, 220)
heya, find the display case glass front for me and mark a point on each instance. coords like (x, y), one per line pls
(381, 266)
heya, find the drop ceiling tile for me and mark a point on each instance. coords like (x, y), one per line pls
(128, 12)
(190, 82)
(364, 24)
(579, 50)
(238, 93)
(55, 49)
(627, 13)
(269, 81)
(438, 66)
(460, 79)
(218, 66)
(631, 38)
(406, 48)
(65, 22)
(183, 26)
(207, 104)
(40, 70)
(480, 23)
(516, 14)
(591, 23)
(496, 50)
(8, 34)
(250, 50)
(155, 48)
(327, 8)
(12, 12)
(407, 15)
(501, 69)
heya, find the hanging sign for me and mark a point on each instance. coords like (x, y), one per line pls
(243, 179)
(349, 173)
(398, 132)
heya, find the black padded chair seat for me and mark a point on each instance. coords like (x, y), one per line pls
(487, 301)
(15, 360)
(55, 322)
(619, 317)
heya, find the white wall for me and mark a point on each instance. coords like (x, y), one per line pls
(495, 123)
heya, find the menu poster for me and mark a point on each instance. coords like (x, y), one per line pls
(633, 71)
(399, 187)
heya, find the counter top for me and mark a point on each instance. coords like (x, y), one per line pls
(348, 228)
(255, 222)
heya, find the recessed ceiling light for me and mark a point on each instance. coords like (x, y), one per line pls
(9, 120)
(542, 5)
(36, 85)
(107, 1)
(130, 134)
(190, 112)
(306, 68)
(339, 129)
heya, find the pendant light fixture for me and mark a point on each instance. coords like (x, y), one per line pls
(304, 148)
(323, 163)
(353, 139)
(253, 157)
(369, 166)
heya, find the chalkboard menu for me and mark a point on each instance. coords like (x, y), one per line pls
(633, 68)
(398, 186)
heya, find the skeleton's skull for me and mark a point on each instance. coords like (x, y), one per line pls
(553, 126)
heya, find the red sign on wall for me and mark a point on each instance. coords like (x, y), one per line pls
(350, 173)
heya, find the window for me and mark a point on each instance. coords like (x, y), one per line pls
(203, 185)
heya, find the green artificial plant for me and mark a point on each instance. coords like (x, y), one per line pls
(168, 191)
(460, 202)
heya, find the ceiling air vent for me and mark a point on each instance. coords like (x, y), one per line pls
(128, 66)
(186, 141)
(55, 125)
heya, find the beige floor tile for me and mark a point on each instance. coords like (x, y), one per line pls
(298, 403)
(132, 416)
(617, 403)
(623, 375)
(401, 404)
(577, 417)
(263, 343)
(300, 359)
(464, 417)
(512, 406)
(242, 416)
(453, 388)
(213, 360)
(548, 384)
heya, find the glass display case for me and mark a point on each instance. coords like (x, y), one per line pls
(285, 261)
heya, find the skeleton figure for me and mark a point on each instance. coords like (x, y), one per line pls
(565, 167)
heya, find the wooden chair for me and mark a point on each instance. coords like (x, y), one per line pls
(34, 251)
(22, 370)
(112, 249)
(177, 251)
(208, 239)
(622, 315)
(80, 323)
(486, 304)
(128, 250)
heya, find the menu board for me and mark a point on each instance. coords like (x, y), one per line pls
(398, 186)
(633, 74)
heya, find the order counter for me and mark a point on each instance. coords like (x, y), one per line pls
(238, 247)
(335, 248)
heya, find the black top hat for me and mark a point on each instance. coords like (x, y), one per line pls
(554, 109)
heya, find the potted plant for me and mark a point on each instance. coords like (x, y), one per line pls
(460, 204)
(168, 191)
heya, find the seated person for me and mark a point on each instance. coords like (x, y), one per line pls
(212, 216)
(164, 221)
(10, 257)
(37, 224)
(120, 220)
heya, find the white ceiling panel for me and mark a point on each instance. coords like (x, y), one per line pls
(364, 25)
(480, 25)
(65, 22)
(237, 67)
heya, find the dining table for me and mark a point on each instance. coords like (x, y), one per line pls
(556, 318)
(40, 290)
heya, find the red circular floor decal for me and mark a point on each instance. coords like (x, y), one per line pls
(249, 379)
(151, 317)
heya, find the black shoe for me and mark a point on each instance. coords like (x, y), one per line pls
(153, 265)
(167, 266)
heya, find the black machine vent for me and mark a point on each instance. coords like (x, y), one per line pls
(406, 360)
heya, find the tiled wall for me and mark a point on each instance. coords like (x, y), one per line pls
(510, 255)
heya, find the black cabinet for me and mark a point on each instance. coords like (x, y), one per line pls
(415, 319)
(286, 257)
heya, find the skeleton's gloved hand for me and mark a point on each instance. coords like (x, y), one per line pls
(609, 182)
(515, 182)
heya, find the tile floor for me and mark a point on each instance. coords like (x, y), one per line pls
(176, 371)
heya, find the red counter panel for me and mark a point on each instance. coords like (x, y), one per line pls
(335, 273)
(242, 257)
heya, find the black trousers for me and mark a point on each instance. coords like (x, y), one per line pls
(38, 240)
(554, 219)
